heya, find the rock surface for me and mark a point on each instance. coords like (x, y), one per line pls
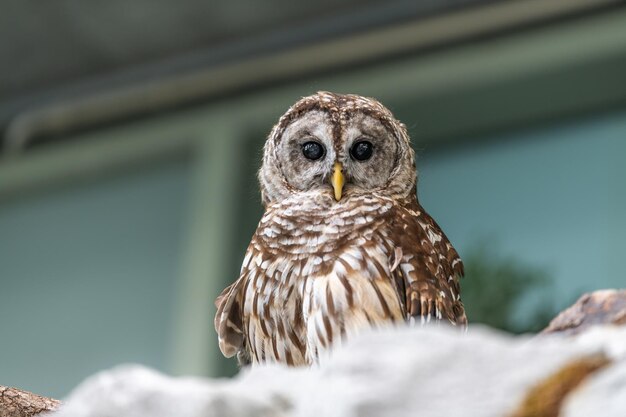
(398, 372)
(592, 309)
(604, 394)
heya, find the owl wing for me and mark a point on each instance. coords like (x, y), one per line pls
(426, 267)
(248, 322)
(228, 319)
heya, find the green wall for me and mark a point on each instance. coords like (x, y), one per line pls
(87, 276)
(553, 198)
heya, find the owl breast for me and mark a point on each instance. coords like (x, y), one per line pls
(316, 273)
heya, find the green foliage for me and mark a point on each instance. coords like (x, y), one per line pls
(504, 293)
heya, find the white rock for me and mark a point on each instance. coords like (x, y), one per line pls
(397, 372)
(135, 391)
(604, 394)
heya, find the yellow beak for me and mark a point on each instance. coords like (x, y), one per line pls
(338, 180)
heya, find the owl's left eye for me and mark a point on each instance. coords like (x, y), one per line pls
(362, 150)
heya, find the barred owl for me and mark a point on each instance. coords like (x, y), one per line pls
(343, 245)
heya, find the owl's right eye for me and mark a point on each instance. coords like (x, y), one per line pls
(313, 150)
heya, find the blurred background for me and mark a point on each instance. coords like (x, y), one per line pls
(131, 132)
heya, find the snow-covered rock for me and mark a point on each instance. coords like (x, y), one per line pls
(396, 372)
(603, 394)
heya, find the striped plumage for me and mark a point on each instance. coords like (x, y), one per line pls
(320, 268)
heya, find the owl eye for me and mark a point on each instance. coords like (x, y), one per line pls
(362, 150)
(313, 150)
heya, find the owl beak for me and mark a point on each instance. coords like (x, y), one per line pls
(338, 180)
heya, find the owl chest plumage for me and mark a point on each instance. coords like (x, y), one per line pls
(317, 272)
(317, 275)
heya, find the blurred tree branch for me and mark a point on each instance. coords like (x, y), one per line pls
(17, 403)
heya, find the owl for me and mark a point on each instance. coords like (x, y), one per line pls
(343, 245)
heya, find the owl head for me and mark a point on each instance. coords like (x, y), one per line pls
(337, 146)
